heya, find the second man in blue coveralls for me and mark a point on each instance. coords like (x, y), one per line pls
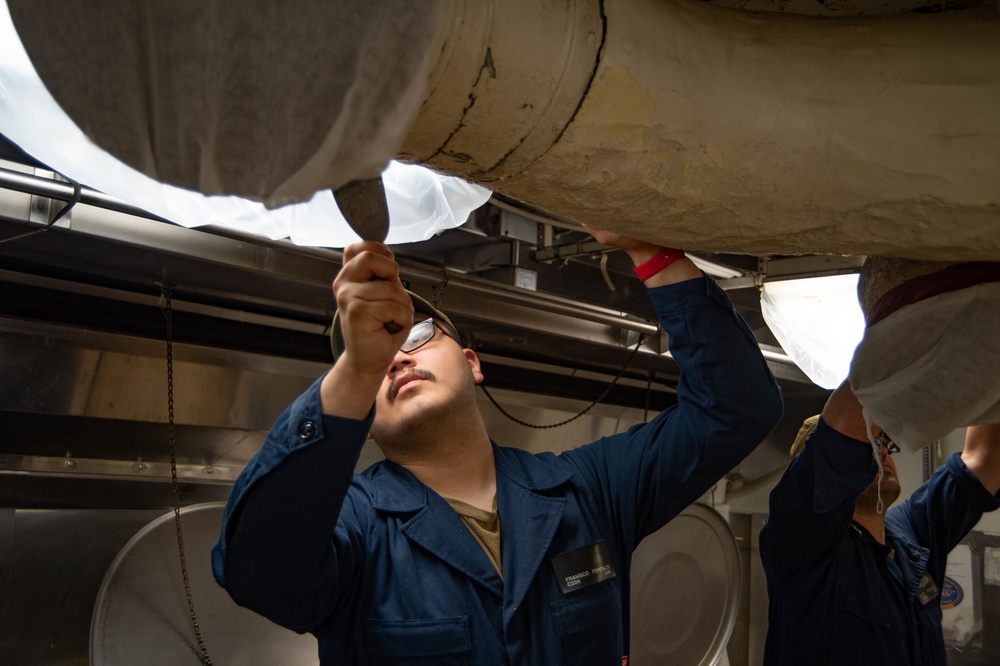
(851, 581)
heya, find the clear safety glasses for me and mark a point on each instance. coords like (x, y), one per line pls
(421, 333)
(886, 441)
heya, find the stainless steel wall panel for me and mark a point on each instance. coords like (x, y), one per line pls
(52, 568)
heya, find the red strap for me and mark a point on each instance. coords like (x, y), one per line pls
(660, 260)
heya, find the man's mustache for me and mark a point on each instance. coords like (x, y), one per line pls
(390, 392)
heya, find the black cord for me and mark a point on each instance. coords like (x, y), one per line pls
(584, 411)
(77, 194)
(438, 294)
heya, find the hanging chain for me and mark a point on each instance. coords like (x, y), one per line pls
(166, 291)
(586, 409)
(438, 289)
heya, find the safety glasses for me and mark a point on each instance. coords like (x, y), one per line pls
(886, 441)
(421, 333)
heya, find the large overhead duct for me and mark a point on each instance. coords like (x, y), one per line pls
(702, 127)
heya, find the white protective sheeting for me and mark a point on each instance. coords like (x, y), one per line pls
(931, 366)
(421, 202)
(818, 323)
(269, 101)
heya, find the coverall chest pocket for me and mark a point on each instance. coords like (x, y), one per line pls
(440, 641)
(872, 622)
(589, 625)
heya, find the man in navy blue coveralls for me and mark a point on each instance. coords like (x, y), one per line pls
(382, 567)
(849, 582)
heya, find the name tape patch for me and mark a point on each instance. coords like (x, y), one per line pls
(580, 568)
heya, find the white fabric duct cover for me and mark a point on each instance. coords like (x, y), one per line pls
(932, 366)
(266, 100)
(421, 202)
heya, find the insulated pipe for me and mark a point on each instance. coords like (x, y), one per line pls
(713, 129)
(507, 83)
(675, 121)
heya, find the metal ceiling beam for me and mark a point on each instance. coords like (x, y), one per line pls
(299, 277)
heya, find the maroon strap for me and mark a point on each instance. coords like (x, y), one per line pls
(952, 278)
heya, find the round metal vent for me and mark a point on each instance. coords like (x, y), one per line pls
(685, 591)
(141, 614)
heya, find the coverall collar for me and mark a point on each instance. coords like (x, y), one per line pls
(910, 557)
(528, 521)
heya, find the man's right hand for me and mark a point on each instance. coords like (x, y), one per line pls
(369, 295)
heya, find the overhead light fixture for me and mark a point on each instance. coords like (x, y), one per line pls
(714, 269)
(818, 322)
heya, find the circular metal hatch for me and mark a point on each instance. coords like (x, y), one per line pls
(141, 614)
(685, 591)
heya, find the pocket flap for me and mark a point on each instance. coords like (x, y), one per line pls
(418, 638)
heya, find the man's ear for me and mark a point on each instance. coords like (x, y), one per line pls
(474, 365)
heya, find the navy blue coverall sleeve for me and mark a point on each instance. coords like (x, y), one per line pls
(282, 561)
(812, 506)
(942, 511)
(727, 403)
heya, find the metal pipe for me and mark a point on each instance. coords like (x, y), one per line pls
(62, 191)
